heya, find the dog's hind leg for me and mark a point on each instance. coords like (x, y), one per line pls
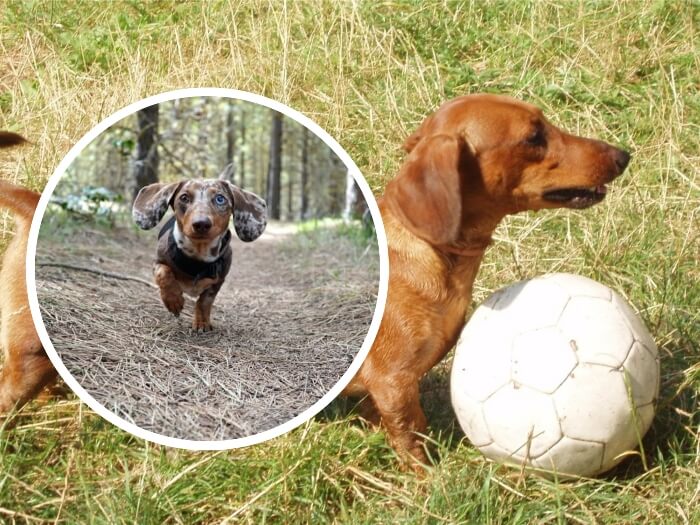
(25, 373)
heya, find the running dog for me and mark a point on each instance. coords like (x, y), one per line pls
(194, 251)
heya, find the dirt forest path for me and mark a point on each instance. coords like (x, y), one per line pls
(289, 320)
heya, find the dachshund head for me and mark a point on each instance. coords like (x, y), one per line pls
(493, 155)
(202, 208)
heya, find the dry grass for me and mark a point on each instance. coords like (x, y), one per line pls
(626, 72)
(292, 315)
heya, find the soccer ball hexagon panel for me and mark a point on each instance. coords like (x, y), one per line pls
(556, 372)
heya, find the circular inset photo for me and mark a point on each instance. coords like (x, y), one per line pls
(207, 268)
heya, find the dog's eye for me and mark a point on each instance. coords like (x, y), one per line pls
(536, 138)
(220, 200)
(184, 198)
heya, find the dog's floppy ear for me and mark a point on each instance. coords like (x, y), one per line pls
(427, 193)
(249, 213)
(152, 202)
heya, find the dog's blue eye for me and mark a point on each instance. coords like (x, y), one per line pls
(220, 200)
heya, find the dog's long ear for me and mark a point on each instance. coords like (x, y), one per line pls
(427, 193)
(152, 202)
(249, 213)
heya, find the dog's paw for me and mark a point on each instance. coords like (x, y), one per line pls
(200, 325)
(174, 303)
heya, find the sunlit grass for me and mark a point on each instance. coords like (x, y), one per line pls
(625, 72)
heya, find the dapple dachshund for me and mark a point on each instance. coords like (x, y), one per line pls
(194, 252)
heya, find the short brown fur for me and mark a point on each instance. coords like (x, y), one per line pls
(477, 159)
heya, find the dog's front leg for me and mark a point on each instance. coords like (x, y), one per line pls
(170, 289)
(397, 400)
(202, 310)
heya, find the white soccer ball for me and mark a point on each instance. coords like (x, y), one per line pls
(556, 373)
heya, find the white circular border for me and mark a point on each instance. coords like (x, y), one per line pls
(186, 443)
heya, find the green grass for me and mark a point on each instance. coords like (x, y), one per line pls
(360, 233)
(625, 72)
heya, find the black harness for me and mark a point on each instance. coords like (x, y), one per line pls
(190, 266)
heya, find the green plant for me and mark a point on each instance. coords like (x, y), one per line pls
(98, 205)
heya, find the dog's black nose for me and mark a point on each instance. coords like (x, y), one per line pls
(202, 225)
(622, 159)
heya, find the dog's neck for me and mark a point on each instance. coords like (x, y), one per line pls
(206, 251)
(471, 248)
(474, 238)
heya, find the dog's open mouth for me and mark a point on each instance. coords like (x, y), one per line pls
(577, 197)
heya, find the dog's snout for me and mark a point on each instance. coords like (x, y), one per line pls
(622, 159)
(201, 225)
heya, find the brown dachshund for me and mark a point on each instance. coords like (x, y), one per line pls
(27, 369)
(477, 159)
(194, 251)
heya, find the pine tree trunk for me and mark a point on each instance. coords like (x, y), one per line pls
(355, 205)
(230, 169)
(274, 167)
(241, 169)
(201, 114)
(290, 193)
(145, 162)
(304, 210)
